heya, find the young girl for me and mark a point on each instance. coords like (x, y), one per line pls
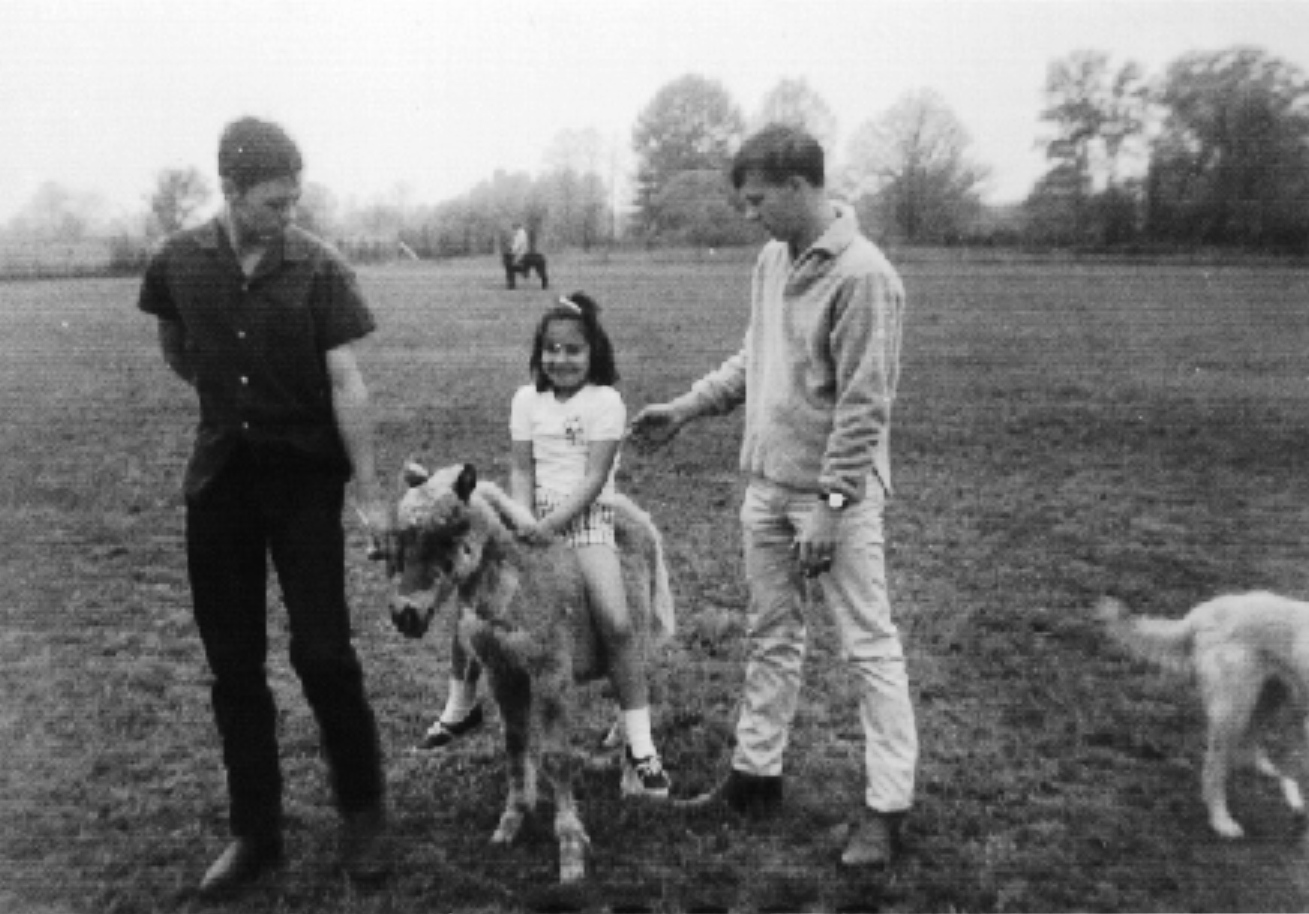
(566, 429)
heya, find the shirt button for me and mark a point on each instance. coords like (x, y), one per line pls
(240, 334)
(244, 379)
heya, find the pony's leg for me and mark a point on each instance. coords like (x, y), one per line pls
(515, 710)
(560, 768)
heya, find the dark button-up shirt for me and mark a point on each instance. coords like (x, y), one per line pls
(259, 344)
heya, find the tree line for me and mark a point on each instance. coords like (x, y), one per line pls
(1214, 151)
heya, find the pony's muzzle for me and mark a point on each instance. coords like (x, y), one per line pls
(412, 614)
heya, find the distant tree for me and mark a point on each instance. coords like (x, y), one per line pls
(55, 213)
(574, 188)
(1231, 164)
(794, 103)
(910, 171)
(698, 208)
(179, 193)
(1099, 116)
(692, 124)
(317, 210)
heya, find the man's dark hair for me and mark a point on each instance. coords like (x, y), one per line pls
(779, 152)
(252, 151)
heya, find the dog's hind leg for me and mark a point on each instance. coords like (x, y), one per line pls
(1229, 684)
(1290, 787)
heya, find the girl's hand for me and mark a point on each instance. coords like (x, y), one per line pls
(538, 533)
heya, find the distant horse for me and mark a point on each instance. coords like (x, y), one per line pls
(525, 265)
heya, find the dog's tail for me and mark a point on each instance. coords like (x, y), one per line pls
(1164, 642)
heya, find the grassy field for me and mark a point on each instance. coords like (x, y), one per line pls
(1064, 430)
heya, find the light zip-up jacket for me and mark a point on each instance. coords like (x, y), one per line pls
(819, 366)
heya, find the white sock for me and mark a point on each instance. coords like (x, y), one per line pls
(460, 702)
(637, 724)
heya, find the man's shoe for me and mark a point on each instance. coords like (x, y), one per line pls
(874, 840)
(754, 795)
(364, 854)
(243, 862)
(442, 734)
(644, 777)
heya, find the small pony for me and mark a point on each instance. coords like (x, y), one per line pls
(523, 615)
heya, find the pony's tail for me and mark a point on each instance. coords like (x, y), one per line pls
(1166, 643)
(661, 597)
(661, 591)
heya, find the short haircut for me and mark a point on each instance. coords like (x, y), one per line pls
(583, 309)
(779, 152)
(252, 151)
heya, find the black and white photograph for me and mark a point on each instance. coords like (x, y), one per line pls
(614, 456)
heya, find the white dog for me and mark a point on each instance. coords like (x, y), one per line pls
(1250, 654)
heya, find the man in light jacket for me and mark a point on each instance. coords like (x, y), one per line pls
(817, 375)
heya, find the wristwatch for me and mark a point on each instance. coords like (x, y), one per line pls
(835, 500)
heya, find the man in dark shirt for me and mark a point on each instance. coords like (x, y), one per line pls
(259, 317)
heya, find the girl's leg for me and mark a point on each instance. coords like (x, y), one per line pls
(604, 587)
(643, 773)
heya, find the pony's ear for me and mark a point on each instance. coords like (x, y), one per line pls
(466, 482)
(414, 474)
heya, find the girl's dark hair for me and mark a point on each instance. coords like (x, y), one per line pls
(252, 151)
(582, 308)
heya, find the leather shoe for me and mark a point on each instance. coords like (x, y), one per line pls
(244, 861)
(364, 854)
(443, 734)
(755, 795)
(874, 840)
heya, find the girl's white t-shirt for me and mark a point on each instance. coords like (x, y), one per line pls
(560, 433)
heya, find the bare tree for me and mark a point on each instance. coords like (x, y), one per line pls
(794, 103)
(179, 193)
(910, 170)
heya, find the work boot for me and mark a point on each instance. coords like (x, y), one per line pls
(874, 840)
(364, 852)
(243, 862)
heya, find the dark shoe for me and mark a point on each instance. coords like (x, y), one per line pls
(244, 861)
(644, 777)
(754, 795)
(442, 734)
(874, 840)
(364, 854)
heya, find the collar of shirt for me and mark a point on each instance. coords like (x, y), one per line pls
(295, 246)
(839, 234)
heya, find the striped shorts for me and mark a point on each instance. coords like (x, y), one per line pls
(593, 527)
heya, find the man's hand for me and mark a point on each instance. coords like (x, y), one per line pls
(376, 516)
(815, 545)
(655, 426)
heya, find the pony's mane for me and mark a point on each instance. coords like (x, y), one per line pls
(503, 515)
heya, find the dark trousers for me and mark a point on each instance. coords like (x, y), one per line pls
(232, 528)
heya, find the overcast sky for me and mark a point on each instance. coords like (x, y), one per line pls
(433, 96)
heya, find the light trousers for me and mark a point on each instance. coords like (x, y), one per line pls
(855, 592)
